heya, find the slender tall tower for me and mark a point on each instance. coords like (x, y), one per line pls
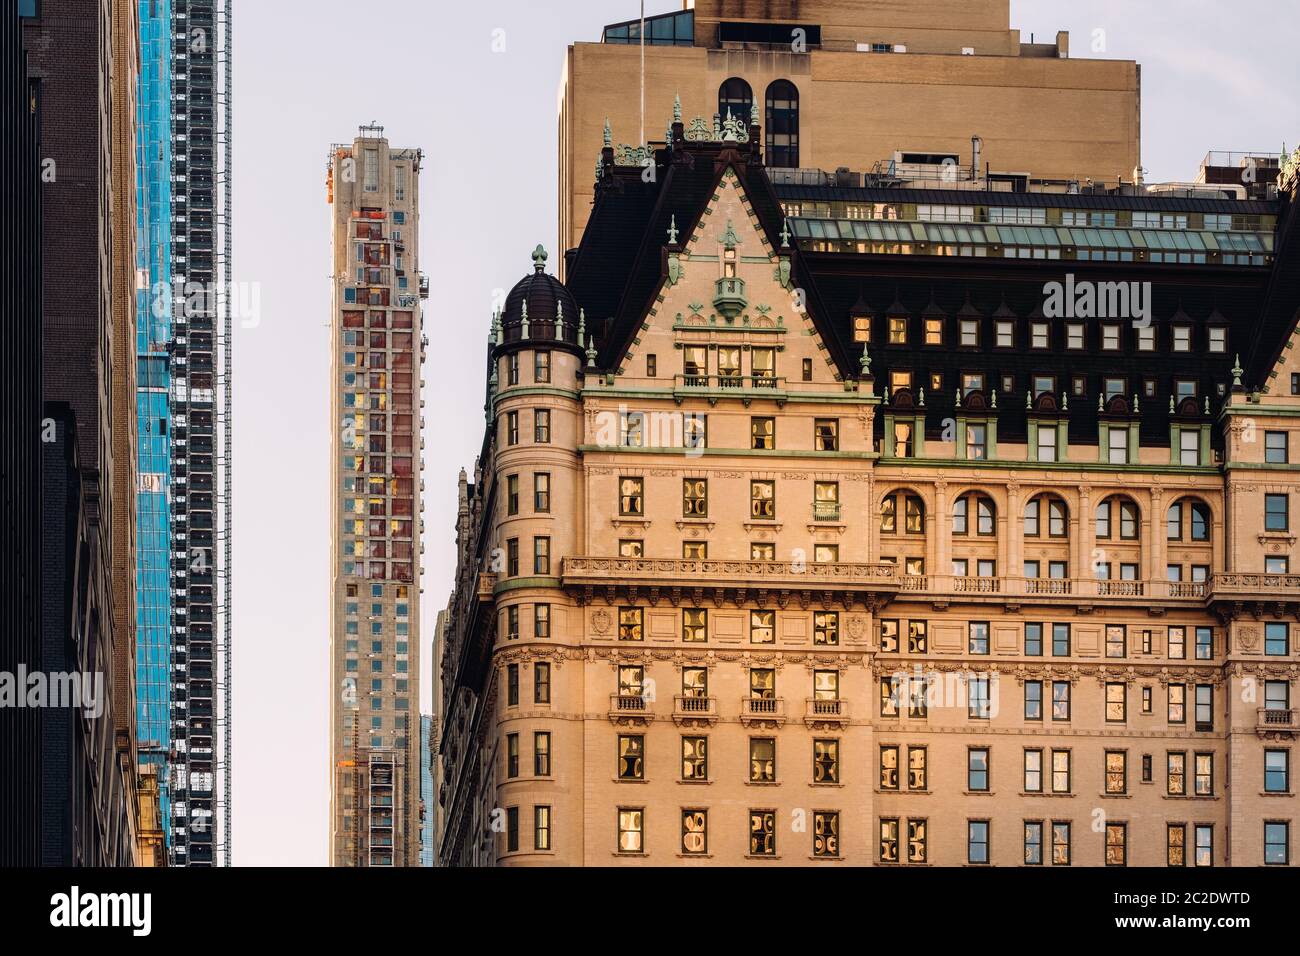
(377, 351)
(200, 430)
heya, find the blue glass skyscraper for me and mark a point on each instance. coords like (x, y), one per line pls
(153, 335)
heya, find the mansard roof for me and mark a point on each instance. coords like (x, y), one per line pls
(615, 272)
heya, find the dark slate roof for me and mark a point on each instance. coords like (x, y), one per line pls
(621, 261)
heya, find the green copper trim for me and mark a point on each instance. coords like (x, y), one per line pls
(514, 584)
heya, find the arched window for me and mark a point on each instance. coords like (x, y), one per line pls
(735, 95)
(910, 507)
(1046, 514)
(1189, 516)
(1117, 516)
(782, 124)
(977, 508)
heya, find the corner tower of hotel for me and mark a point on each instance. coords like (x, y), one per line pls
(895, 477)
(376, 502)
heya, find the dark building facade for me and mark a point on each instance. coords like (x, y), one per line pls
(20, 447)
(88, 795)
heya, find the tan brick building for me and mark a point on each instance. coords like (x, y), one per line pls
(852, 83)
(377, 355)
(841, 538)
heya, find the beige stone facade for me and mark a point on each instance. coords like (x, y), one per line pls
(953, 70)
(719, 620)
(377, 355)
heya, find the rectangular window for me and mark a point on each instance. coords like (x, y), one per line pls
(631, 496)
(631, 757)
(1204, 779)
(1204, 643)
(1275, 448)
(977, 841)
(888, 839)
(826, 627)
(1277, 771)
(512, 428)
(826, 434)
(1177, 643)
(918, 777)
(977, 769)
(762, 499)
(1176, 844)
(970, 332)
(630, 624)
(1033, 771)
(762, 433)
(695, 758)
(977, 447)
(1033, 843)
(1116, 844)
(762, 833)
(1205, 706)
(512, 829)
(1060, 843)
(1116, 771)
(631, 822)
(826, 833)
(917, 840)
(541, 425)
(1116, 702)
(512, 756)
(541, 492)
(1277, 640)
(1204, 845)
(916, 637)
(977, 698)
(1118, 445)
(541, 555)
(694, 833)
(541, 366)
(826, 761)
(1061, 700)
(512, 685)
(1033, 700)
(889, 767)
(977, 636)
(1275, 513)
(541, 754)
(1116, 640)
(695, 625)
(762, 759)
(541, 683)
(762, 627)
(1006, 334)
(902, 439)
(1060, 640)
(1277, 843)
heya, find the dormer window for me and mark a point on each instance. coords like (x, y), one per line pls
(1218, 339)
(1182, 338)
(862, 328)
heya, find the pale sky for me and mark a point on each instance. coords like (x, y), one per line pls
(1215, 75)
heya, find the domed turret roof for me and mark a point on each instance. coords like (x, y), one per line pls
(546, 299)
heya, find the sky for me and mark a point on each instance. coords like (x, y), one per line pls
(476, 85)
